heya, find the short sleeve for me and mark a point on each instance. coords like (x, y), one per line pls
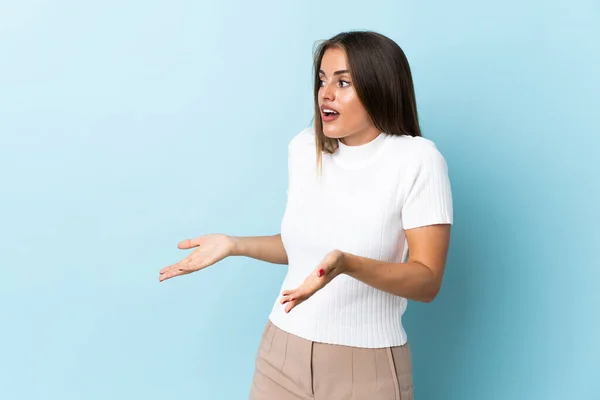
(429, 198)
(299, 148)
(289, 167)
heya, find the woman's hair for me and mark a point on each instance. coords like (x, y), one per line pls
(382, 80)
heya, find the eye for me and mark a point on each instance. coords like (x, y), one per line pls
(341, 82)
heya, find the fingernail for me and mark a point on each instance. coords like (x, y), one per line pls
(321, 272)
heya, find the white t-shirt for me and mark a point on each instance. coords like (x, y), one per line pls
(365, 199)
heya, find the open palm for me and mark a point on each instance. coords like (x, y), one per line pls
(210, 249)
(331, 266)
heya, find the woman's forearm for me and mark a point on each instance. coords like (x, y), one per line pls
(411, 280)
(264, 248)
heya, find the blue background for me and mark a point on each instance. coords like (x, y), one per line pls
(126, 127)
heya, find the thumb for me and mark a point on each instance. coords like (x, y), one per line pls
(327, 265)
(187, 244)
(322, 268)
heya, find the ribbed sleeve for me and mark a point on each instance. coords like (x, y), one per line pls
(429, 200)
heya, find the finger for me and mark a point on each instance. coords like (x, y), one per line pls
(318, 272)
(321, 270)
(169, 268)
(187, 244)
(290, 305)
(298, 292)
(286, 299)
(326, 265)
(184, 265)
(170, 274)
(175, 268)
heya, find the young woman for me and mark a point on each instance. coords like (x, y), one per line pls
(364, 188)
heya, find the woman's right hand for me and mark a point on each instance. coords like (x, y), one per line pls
(210, 249)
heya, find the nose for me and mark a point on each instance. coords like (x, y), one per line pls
(328, 92)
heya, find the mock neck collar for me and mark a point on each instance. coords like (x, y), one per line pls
(355, 156)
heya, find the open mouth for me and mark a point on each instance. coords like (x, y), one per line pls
(329, 114)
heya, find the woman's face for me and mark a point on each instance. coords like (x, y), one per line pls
(349, 120)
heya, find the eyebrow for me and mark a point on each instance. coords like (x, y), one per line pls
(343, 71)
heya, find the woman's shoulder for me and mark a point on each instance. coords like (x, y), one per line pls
(412, 143)
(304, 138)
(416, 148)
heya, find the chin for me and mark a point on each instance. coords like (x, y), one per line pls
(331, 132)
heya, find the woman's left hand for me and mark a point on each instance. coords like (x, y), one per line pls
(332, 265)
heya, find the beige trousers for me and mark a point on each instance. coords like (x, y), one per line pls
(291, 368)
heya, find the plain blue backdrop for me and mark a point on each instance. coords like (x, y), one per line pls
(126, 127)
